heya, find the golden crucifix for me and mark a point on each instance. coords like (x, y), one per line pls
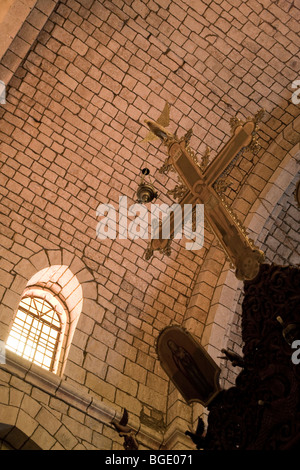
(199, 186)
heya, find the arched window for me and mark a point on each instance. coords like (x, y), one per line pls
(38, 328)
(46, 318)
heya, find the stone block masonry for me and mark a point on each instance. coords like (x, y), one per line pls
(81, 77)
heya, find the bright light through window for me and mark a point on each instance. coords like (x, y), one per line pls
(35, 332)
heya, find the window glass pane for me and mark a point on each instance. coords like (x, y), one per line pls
(35, 332)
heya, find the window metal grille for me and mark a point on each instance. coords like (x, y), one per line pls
(35, 332)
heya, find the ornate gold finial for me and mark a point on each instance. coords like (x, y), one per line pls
(187, 137)
(166, 168)
(205, 158)
(259, 115)
(178, 192)
(222, 184)
(255, 147)
(157, 128)
(234, 123)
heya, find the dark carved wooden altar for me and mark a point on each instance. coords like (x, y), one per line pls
(262, 412)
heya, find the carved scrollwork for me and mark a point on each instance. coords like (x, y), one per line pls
(222, 184)
(205, 159)
(262, 411)
(178, 192)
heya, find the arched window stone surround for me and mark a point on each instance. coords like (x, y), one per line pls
(79, 291)
(224, 301)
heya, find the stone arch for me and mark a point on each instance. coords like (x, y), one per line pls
(17, 427)
(64, 272)
(217, 292)
(12, 438)
(224, 301)
(273, 191)
(32, 426)
(210, 323)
